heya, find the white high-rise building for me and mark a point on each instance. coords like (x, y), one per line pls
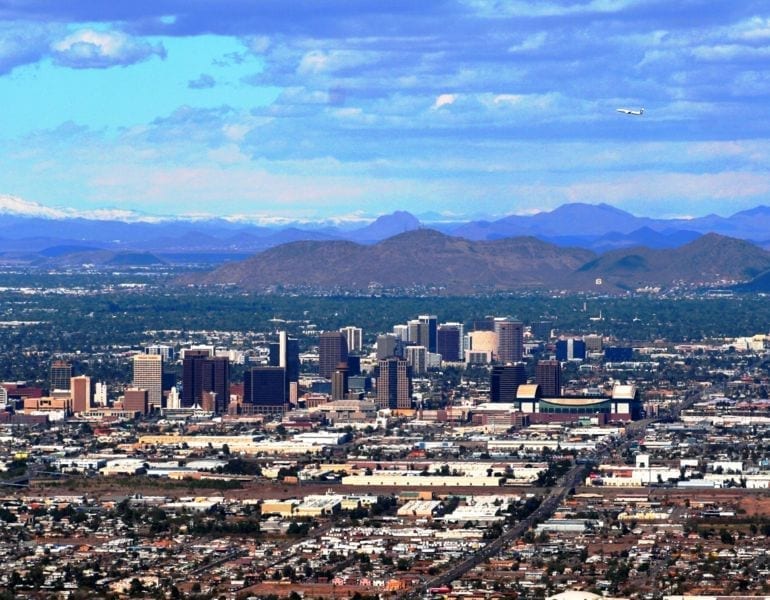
(166, 351)
(355, 338)
(148, 375)
(417, 358)
(100, 394)
(401, 332)
(173, 399)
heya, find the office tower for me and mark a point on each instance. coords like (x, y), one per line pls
(61, 374)
(100, 394)
(264, 391)
(191, 376)
(291, 362)
(594, 343)
(80, 390)
(173, 400)
(283, 341)
(386, 345)
(136, 400)
(428, 331)
(208, 402)
(216, 380)
(148, 375)
(354, 336)
(570, 349)
(541, 330)
(165, 351)
(449, 341)
(510, 340)
(202, 373)
(394, 384)
(340, 382)
(548, 377)
(485, 324)
(413, 331)
(483, 341)
(168, 380)
(274, 354)
(505, 382)
(417, 358)
(354, 365)
(286, 354)
(401, 332)
(332, 350)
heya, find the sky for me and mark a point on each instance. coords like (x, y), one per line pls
(345, 109)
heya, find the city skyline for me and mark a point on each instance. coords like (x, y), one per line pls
(462, 109)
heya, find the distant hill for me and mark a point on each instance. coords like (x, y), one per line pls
(583, 224)
(79, 257)
(428, 259)
(710, 259)
(384, 227)
(423, 258)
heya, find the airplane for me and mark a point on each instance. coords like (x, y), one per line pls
(631, 111)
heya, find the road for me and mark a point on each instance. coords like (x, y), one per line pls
(543, 512)
(549, 505)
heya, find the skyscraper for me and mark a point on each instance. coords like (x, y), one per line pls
(354, 336)
(201, 373)
(166, 351)
(136, 400)
(401, 332)
(340, 382)
(332, 350)
(286, 354)
(264, 391)
(148, 375)
(505, 382)
(413, 331)
(215, 378)
(417, 358)
(191, 376)
(510, 340)
(570, 349)
(386, 345)
(449, 339)
(428, 330)
(548, 377)
(80, 389)
(394, 384)
(61, 374)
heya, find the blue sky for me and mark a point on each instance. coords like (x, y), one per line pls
(311, 109)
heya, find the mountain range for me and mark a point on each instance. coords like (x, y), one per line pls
(28, 239)
(424, 259)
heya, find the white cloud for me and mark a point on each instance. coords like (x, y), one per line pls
(318, 61)
(88, 48)
(729, 52)
(444, 100)
(754, 29)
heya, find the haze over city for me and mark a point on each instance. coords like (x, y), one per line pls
(313, 110)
